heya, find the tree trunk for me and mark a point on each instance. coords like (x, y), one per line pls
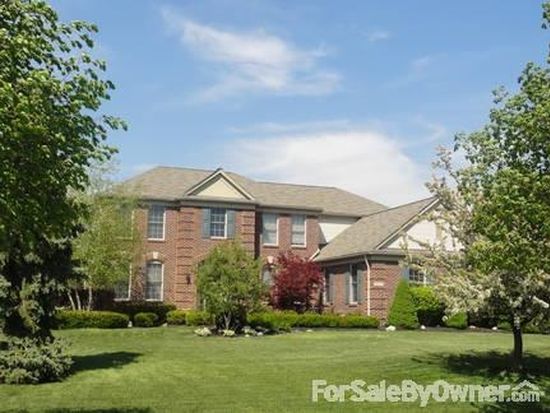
(73, 307)
(78, 303)
(90, 298)
(518, 344)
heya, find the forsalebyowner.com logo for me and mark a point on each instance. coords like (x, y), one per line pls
(410, 392)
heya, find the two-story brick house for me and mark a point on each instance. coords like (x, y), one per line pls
(185, 212)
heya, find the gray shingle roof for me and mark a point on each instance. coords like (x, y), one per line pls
(366, 235)
(170, 184)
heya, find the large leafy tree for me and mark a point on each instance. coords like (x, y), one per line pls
(110, 242)
(51, 90)
(229, 284)
(496, 206)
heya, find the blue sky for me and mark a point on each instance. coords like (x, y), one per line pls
(355, 94)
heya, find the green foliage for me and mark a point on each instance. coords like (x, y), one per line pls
(51, 90)
(146, 320)
(198, 318)
(90, 319)
(458, 321)
(403, 311)
(31, 361)
(111, 241)
(176, 317)
(229, 283)
(429, 308)
(131, 308)
(276, 321)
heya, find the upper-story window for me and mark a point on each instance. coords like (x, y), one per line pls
(218, 223)
(298, 230)
(155, 222)
(269, 229)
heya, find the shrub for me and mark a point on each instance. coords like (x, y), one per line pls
(458, 320)
(429, 309)
(146, 320)
(228, 282)
(403, 310)
(176, 317)
(90, 319)
(29, 361)
(131, 308)
(297, 283)
(198, 318)
(276, 321)
(504, 325)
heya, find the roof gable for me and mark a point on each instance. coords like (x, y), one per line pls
(219, 185)
(371, 233)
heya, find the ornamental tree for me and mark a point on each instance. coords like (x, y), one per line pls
(297, 283)
(495, 204)
(51, 91)
(229, 284)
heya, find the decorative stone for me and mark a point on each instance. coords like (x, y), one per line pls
(390, 328)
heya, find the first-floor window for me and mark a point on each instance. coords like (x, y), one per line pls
(267, 276)
(419, 277)
(122, 290)
(353, 285)
(153, 281)
(326, 289)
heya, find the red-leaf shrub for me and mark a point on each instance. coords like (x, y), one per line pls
(297, 283)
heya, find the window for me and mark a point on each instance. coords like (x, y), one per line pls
(122, 290)
(153, 281)
(267, 276)
(218, 223)
(298, 230)
(155, 222)
(326, 290)
(269, 229)
(353, 285)
(418, 277)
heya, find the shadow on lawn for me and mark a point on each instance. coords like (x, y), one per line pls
(498, 367)
(103, 361)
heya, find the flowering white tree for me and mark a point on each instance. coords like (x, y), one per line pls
(496, 206)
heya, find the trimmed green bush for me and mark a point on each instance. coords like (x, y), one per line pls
(429, 309)
(283, 320)
(403, 310)
(176, 317)
(198, 318)
(131, 308)
(29, 361)
(65, 319)
(458, 320)
(146, 320)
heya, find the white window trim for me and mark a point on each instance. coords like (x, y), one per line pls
(163, 225)
(304, 245)
(161, 281)
(224, 225)
(277, 217)
(350, 286)
(128, 297)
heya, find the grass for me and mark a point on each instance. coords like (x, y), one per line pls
(172, 370)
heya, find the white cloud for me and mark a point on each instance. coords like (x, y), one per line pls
(362, 161)
(378, 35)
(253, 61)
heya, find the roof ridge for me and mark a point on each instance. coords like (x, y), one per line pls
(400, 206)
(292, 184)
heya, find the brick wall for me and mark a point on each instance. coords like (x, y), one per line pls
(183, 248)
(384, 277)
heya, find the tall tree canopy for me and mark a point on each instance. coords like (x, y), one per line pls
(496, 205)
(51, 90)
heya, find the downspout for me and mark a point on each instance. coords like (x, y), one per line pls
(368, 283)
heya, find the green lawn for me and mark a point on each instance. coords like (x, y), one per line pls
(171, 370)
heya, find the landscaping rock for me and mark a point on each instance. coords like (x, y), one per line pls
(390, 328)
